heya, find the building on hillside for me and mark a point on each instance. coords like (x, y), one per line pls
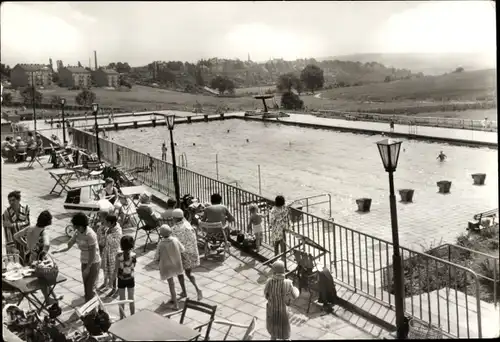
(75, 77)
(106, 77)
(22, 74)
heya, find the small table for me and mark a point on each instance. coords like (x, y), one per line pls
(87, 183)
(28, 286)
(149, 326)
(131, 191)
(62, 177)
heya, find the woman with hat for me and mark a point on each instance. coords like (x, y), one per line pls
(169, 256)
(183, 231)
(279, 291)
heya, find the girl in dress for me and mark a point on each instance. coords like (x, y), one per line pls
(111, 249)
(124, 272)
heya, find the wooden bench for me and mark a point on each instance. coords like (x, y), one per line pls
(479, 222)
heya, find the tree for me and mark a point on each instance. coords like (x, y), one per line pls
(288, 81)
(459, 69)
(7, 99)
(199, 78)
(292, 101)
(55, 100)
(387, 79)
(27, 95)
(222, 84)
(85, 98)
(4, 71)
(313, 78)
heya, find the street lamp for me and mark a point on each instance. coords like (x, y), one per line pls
(63, 102)
(33, 96)
(170, 119)
(95, 110)
(389, 152)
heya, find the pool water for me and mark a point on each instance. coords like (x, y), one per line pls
(299, 162)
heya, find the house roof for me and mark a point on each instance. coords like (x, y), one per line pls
(78, 70)
(34, 67)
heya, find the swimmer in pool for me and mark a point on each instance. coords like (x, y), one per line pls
(194, 144)
(228, 130)
(248, 141)
(441, 156)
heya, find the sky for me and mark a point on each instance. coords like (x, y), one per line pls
(141, 32)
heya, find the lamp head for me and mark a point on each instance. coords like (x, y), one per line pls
(170, 119)
(63, 102)
(389, 153)
(95, 108)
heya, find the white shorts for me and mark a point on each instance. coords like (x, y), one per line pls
(257, 228)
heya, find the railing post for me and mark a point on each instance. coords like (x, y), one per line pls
(260, 183)
(217, 165)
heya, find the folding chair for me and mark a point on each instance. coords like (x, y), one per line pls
(96, 303)
(148, 223)
(249, 332)
(35, 157)
(200, 307)
(92, 170)
(21, 153)
(215, 238)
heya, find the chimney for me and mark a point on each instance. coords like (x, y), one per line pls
(95, 59)
(51, 65)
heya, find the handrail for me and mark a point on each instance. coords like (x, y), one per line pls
(308, 204)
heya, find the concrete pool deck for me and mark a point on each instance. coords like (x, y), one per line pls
(234, 286)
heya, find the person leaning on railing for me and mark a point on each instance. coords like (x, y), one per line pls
(278, 222)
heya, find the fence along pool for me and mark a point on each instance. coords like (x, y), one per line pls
(358, 261)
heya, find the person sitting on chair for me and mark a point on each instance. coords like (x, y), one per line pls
(146, 213)
(217, 212)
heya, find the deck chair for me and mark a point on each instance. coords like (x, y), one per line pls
(96, 303)
(147, 223)
(215, 238)
(307, 273)
(92, 170)
(200, 307)
(249, 332)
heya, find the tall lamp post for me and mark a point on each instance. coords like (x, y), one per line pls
(95, 110)
(389, 152)
(170, 124)
(63, 102)
(33, 93)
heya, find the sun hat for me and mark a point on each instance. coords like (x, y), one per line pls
(278, 267)
(145, 197)
(177, 213)
(165, 230)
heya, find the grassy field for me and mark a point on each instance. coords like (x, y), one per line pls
(416, 96)
(253, 90)
(465, 86)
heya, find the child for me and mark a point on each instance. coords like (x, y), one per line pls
(124, 271)
(169, 255)
(255, 225)
(111, 249)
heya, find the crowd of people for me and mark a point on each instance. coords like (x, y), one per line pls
(104, 246)
(17, 150)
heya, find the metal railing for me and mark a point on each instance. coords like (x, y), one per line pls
(418, 120)
(307, 202)
(436, 290)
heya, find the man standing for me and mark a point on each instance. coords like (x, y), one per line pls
(164, 152)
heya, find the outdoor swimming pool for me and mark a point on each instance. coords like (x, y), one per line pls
(300, 162)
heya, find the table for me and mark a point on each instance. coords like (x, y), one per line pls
(149, 326)
(62, 177)
(28, 286)
(131, 191)
(87, 183)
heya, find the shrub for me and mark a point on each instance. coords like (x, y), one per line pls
(291, 101)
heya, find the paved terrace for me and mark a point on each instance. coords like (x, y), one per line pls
(236, 287)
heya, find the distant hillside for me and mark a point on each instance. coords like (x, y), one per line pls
(429, 64)
(183, 76)
(465, 86)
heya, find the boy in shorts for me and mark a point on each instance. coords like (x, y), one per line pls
(124, 271)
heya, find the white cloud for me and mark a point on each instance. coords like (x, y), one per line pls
(442, 27)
